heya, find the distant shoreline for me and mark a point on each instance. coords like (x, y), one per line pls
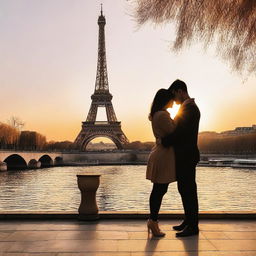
(117, 157)
(213, 161)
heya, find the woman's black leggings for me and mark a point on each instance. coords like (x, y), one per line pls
(155, 200)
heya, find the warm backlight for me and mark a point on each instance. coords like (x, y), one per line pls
(174, 110)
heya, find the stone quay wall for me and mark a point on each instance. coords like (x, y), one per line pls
(126, 157)
(118, 157)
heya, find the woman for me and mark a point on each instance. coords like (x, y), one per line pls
(161, 162)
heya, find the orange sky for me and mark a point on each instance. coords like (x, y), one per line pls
(48, 66)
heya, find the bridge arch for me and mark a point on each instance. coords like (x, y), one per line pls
(58, 160)
(15, 162)
(33, 164)
(113, 138)
(46, 161)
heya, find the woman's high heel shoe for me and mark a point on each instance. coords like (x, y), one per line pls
(154, 228)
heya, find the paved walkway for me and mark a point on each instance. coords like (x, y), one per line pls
(124, 237)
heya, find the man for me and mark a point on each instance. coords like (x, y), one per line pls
(184, 141)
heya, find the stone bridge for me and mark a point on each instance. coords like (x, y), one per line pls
(10, 160)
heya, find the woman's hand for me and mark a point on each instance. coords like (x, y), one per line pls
(158, 141)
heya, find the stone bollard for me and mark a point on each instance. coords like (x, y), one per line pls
(3, 166)
(88, 185)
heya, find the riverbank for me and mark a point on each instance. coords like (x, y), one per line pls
(15, 160)
(103, 215)
(132, 157)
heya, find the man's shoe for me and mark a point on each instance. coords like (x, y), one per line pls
(180, 227)
(188, 231)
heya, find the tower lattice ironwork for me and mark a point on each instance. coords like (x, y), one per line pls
(101, 98)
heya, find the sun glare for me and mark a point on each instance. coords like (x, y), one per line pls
(174, 110)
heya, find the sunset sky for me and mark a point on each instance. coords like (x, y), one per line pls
(48, 58)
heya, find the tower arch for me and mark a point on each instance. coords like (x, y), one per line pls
(114, 139)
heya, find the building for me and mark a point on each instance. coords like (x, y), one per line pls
(240, 131)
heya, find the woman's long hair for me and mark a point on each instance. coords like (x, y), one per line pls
(161, 98)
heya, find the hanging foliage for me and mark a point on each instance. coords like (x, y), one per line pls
(229, 23)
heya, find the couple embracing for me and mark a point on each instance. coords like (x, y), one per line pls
(175, 156)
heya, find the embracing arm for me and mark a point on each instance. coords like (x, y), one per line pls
(166, 123)
(163, 124)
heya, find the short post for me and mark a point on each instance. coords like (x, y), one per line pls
(3, 166)
(88, 185)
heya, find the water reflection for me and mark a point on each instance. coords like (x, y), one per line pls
(122, 188)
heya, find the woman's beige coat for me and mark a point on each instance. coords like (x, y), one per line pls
(161, 161)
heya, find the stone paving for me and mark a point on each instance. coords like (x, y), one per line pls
(124, 237)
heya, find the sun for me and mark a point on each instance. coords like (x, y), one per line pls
(174, 110)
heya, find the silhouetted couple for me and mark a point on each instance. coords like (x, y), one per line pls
(175, 156)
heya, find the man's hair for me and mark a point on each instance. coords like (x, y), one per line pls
(178, 85)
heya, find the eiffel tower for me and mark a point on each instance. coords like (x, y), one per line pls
(101, 98)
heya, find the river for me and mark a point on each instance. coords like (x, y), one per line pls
(123, 188)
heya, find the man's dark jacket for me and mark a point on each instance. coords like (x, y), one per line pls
(184, 137)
